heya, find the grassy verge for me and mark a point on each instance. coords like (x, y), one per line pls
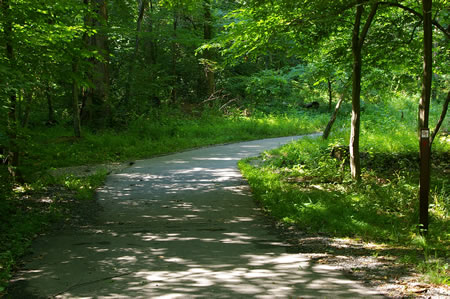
(153, 135)
(304, 185)
(29, 209)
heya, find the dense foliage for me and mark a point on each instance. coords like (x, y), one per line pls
(94, 81)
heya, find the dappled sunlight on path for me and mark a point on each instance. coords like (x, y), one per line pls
(179, 226)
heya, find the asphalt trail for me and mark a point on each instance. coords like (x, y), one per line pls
(179, 226)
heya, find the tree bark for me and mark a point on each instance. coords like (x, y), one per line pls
(424, 109)
(357, 44)
(355, 163)
(99, 106)
(417, 14)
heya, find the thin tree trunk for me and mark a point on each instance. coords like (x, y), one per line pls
(357, 44)
(87, 107)
(75, 102)
(153, 51)
(128, 93)
(441, 119)
(424, 109)
(327, 130)
(207, 35)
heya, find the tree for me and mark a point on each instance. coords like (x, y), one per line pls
(75, 101)
(357, 44)
(100, 106)
(13, 153)
(207, 36)
(323, 19)
(424, 110)
(327, 130)
(142, 6)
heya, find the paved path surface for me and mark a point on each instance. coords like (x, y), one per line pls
(179, 226)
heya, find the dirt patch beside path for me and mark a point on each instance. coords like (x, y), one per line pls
(375, 265)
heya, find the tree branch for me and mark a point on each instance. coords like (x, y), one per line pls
(327, 130)
(441, 120)
(417, 14)
(413, 32)
(373, 11)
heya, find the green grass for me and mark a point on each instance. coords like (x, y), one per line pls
(150, 136)
(302, 184)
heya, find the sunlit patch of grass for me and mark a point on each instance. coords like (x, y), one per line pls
(147, 136)
(302, 184)
(83, 186)
(436, 271)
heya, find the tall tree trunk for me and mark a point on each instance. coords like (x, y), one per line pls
(100, 78)
(128, 92)
(87, 107)
(152, 53)
(207, 35)
(13, 159)
(75, 102)
(424, 109)
(357, 44)
(355, 163)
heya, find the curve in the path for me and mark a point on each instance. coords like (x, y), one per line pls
(179, 226)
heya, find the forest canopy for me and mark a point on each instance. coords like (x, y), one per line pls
(98, 81)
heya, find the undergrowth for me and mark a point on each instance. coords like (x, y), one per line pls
(151, 135)
(304, 184)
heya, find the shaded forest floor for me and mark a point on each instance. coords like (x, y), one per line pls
(376, 265)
